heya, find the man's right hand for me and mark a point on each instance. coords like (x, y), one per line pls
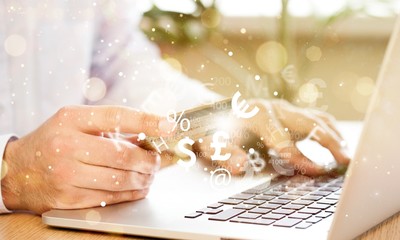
(67, 164)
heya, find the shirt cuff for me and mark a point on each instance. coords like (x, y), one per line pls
(4, 139)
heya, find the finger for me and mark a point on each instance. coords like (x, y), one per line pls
(328, 138)
(85, 198)
(95, 119)
(109, 179)
(299, 162)
(329, 121)
(116, 154)
(309, 124)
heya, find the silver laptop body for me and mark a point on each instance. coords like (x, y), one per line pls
(370, 192)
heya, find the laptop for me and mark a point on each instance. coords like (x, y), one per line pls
(186, 203)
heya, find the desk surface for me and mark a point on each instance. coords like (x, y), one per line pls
(26, 226)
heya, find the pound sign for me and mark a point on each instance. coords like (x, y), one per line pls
(218, 145)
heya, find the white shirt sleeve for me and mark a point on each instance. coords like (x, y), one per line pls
(4, 139)
(133, 70)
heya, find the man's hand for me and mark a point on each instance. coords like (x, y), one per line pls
(72, 161)
(278, 125)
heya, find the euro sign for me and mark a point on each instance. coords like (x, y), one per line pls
(217, 145)
(240, 109)
(181, 147)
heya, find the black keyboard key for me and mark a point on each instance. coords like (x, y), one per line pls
(319, 206)
(310, 210)
(293, 206)
(231, 201)
(215, 205)
(209, 210)
(273, 216)
(323, 214)
(249, 215)
(287, 222)
(254, 202)
(311, 198)
(303, 225)
(283, 211)
(302, 202)
(193, 215)
(242, 196)
(244, 206)
(320, 193)
(313, 220)
(270, 205)
(260, 210)
(227, 214)
(264, 197)
(300, 215)
(279, 201)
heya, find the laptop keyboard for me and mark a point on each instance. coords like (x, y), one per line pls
(297, 202)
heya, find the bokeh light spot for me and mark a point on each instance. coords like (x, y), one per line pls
(313, 53)
(308, 93)
(94, 89)
(15, 45)
(271, 57)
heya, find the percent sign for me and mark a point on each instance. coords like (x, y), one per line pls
(173, 117)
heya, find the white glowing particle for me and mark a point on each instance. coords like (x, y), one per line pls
(251, 151)
(275, 93)
(243, 30)
(200, 140)
(141, 136)
(230, 53)
(257, 77)
(103, 204)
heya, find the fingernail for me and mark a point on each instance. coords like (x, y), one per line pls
(165, 127)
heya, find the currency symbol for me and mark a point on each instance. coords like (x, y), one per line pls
(219, 145)
(181, 147)
(256, 162)
(240, 109)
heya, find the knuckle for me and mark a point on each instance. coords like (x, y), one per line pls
(122, 181)
(114, 197)
(124, 155)
(64, 111)
(113, 116)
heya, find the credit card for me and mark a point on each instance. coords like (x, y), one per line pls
(193, 123)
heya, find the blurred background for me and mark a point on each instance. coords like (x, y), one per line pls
(322, 54)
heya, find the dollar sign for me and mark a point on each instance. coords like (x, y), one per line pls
(240, 109)
(217, 145)
(181, 147)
